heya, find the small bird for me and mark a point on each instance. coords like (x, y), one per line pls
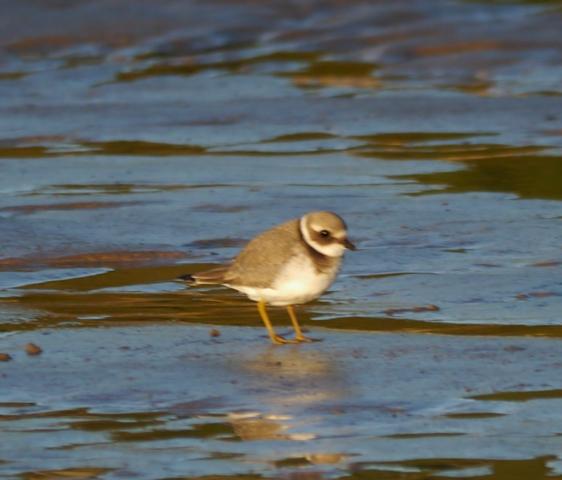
(289, 264)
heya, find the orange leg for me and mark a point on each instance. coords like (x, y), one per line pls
(278, 339)
(299, 337)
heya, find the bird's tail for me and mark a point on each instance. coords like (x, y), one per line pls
(215, 276)
(188, 278)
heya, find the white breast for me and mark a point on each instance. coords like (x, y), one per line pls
(297, 282)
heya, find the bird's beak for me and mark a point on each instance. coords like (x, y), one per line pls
(347, 244)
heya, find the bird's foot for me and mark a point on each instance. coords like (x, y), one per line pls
(279, 340)
(304, 339)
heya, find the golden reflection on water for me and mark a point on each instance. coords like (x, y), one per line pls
(67, 473)
(128, 293)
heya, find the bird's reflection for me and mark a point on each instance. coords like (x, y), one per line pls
(258, 426)
(292, 376)
(293, 389)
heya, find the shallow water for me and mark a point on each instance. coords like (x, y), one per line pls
(135, 151)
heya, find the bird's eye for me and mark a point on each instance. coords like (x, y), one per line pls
(324, 233)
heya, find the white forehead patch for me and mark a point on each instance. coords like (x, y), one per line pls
(316, 227)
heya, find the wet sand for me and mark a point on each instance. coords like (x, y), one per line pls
(138, 144)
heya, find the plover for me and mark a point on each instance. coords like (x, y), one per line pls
(289, 264)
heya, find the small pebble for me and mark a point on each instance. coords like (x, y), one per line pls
(32, 349)
(215, 332)
(4, 357)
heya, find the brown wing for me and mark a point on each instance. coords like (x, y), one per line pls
(259, 262)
